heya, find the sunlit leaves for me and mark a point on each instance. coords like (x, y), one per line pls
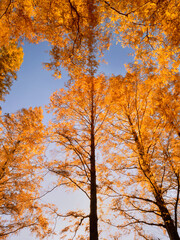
(22, 135)
(80, 113)
(11, 58)
(150, 164)
(141, 116)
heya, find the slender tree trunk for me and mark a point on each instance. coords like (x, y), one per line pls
(93, 192)
(92, 70)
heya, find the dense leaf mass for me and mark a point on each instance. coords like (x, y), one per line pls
(21, 137)
(11, 58)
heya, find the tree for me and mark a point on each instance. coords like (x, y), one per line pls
(80, 113)
(146, 168)
(11, 58)
(21, 137)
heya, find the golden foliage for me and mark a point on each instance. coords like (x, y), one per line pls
(146, 131)
(21, 137)
(80, 113)
(11, 57)
(71, 127)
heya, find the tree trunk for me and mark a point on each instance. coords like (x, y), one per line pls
(168, 221)
(91, 70)
(93, 192)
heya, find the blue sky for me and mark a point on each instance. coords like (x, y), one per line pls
(34, 87)
(35, 84)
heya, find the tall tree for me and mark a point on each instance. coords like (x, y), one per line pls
(78, 130)
(147, 168)
(21, 137)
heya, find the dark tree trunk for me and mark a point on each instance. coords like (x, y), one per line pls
(168, 221)
(93, 198)
(93, 191)
(92, 70)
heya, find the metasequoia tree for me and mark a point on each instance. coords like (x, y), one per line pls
(79, 31)
(77, 129)
(145, 179)
(21, 137)
(11, 58)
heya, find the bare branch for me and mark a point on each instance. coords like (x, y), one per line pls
(71, 180)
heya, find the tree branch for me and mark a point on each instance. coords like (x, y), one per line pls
(75, 183)
(6, 9)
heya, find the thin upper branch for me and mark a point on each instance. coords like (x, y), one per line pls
(9, 4)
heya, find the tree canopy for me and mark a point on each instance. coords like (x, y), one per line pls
(119, 135)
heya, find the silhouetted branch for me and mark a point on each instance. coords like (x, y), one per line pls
(6, 9)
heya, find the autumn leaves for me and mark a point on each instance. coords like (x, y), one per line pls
(21, 174)
(119, 134)
(138, 168)
(148, 157)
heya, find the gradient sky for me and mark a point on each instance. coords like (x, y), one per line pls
(34, 87)
(35, 84)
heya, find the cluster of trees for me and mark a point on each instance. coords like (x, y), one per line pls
(119, 135)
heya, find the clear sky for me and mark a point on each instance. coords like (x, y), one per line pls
(34, 87)
(35, 84)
